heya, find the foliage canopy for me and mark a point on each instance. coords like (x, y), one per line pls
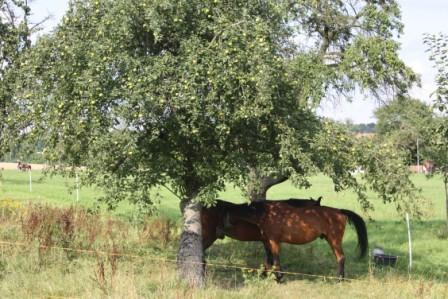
(438, 48)
(406, 121)
(14, 39)
(191, 94)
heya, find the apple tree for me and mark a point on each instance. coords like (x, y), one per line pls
(194, 94)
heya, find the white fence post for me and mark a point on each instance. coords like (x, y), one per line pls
(77, 187)
(410, 241)
(31, 182)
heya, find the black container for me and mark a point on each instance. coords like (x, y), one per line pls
(385, 259)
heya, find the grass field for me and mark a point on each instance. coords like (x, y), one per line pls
(60, 191)
(27, 272)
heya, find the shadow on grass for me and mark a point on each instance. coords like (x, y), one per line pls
(430, 259)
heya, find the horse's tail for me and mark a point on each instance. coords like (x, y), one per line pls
(361, 230)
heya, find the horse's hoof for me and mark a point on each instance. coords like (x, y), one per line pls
(278, 277)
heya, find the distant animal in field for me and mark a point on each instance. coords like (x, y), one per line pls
(428, 167)
(23, 166)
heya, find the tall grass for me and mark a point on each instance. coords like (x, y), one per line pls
(114, 259)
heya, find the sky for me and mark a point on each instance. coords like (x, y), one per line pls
(418, 17)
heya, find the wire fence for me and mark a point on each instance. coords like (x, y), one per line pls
(170, 260)
(214, 264)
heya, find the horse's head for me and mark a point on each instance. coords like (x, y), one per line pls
(246, 212)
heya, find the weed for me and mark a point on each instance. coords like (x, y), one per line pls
(3, 266)
(158, 232)
(442, 233)
(71, 228)
(10, 209)
(257, 276)
(106, 269)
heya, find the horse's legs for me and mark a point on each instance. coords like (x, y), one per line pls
(208, 233)
(336, 246)
(341, 264)
(275, 250)
(268, 261)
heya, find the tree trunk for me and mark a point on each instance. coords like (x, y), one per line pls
(190, 258)
(260, 184)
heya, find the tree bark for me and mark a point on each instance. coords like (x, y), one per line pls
(190, 258)
(260, 184)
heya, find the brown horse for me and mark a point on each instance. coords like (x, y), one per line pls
(294, 225)
(217, 222)
(23, 166)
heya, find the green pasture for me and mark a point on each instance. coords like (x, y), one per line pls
(386, 229)
(61, 191)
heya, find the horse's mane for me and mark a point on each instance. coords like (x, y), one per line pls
(299, 202)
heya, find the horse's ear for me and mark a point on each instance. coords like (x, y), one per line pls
(318, 200)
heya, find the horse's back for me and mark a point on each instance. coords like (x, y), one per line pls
(318, 217)
(300, 225)
(323, 213)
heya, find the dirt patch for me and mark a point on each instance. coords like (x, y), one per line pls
(4, 165)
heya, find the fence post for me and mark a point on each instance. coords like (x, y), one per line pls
(31, 183)
(77, 187)
(409, 241)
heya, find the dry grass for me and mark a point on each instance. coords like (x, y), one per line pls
(158, 232)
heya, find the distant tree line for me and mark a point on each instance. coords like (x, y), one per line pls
(361, 128)
(25, 152)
